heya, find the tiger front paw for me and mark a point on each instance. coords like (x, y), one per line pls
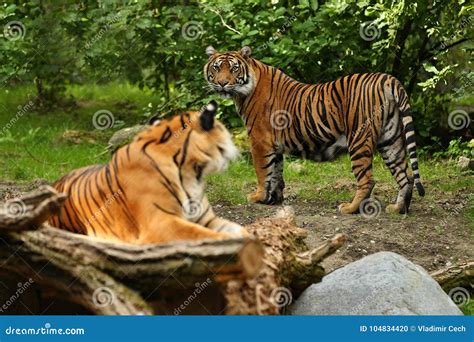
(275, 197)
(256, 197)
(235, 230)
(396, 208)
(346, 208)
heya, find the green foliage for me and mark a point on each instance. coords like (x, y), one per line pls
(160, 47)
(468, 308)
(457, 148)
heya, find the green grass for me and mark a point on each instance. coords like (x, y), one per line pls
(468, 308)
(39, 145)
(331, 181)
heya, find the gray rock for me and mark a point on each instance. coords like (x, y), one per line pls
(465, 163)
(384, 283)
(123, 137)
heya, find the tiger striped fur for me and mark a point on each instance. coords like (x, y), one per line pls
(364, 112)
(152, 190)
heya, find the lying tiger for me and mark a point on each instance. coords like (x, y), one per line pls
(152, 190)
(365, 112)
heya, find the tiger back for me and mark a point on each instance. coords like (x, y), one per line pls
(152, 190)
(361, 113)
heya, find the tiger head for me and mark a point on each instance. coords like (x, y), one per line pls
(229, 73)
(196, 143)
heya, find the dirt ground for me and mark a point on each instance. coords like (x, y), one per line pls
(435, 234)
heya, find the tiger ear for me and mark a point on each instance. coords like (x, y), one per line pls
(246, 52)
(154, 120)
(210, 51)
(206, 118)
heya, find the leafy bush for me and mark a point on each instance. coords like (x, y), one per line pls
(457, 148)
(160, 46)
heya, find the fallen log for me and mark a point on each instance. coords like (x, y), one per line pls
(461, 275)
(236, 276)
(29, 211)
(141, 267)
(289, 267)
(108, 277)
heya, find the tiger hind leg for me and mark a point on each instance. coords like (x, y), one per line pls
(361, 159)
(394, 155)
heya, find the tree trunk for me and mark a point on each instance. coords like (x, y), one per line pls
(289, 267)
(236, 276)
(455, 276)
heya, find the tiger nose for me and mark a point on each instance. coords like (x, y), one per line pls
(223, 83)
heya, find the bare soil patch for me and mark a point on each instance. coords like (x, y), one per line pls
(434, 234)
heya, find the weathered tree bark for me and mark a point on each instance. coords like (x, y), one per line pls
(289, 267)
(77, 266)
(237, 276)
(31, 210)
(106, 277)
(461, 275)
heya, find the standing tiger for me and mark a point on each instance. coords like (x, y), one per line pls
(360, 111)
(152, 190)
